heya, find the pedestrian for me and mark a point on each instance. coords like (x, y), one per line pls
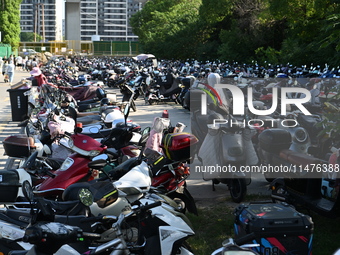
(28, 64)
(4, 67)
(10, 72)
(38, 78)
(34, 63)
(24, 62)
(19, 62)
(1, 63)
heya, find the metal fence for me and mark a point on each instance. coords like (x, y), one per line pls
(106, 48)
(5, 50)
(112, 48)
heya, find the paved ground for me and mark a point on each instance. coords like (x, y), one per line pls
(7, 126)
(200, 189)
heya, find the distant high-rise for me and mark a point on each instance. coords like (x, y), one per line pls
(104, 19)
(43, 17)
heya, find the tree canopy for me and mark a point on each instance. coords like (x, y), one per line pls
(282, 31)
(10, 22)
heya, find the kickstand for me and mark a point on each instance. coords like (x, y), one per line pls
(213, 185)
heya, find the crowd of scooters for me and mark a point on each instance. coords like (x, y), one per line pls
(94, 182)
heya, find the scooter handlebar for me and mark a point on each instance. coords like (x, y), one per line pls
(245, 239)
(150, 206)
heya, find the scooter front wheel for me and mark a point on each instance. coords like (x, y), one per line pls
(238, 189)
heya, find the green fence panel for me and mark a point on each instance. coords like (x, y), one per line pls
(5, 50)
(115, 48)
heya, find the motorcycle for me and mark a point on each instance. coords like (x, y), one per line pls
(165, 89)
(116, 198)
(299, 182)
(122, 237)
(75, 167)
(186, 83)
(226, 144)
(16, 216)
(168, 176)
(128, 93)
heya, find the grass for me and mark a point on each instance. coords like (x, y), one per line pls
(214, 224)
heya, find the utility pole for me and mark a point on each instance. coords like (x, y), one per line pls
(35, 23)
(43, 20)
(37, 13)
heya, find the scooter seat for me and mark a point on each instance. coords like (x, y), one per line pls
(297, 158)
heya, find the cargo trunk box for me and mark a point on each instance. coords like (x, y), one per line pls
(278, 228)
(18, 145)
(179, 146)
(275, 139)
(9, 185)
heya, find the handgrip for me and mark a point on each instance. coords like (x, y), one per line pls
(150, 206)
(245, 239)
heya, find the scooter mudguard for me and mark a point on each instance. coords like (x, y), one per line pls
(73, 170)
(191, 206)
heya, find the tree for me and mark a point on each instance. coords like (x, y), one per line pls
(167, 28)
(29, 37)
(10, 22)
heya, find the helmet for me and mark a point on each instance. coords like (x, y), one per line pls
(113, 115)
(105, 101)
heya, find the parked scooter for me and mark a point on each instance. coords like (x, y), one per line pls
(299, 182)
(129, 231)
(75, 168)
(165, 89)
(224, 145)
(128, 94)
(16, 216)
(186, 83)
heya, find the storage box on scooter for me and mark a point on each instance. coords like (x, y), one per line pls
(275, 140)
(179, 146)
(9, 185)
(18, 145)
(278, 228)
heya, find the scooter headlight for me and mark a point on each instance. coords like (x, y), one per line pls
(300, 135)
(70, 143)
(66, 164)
(91, 153)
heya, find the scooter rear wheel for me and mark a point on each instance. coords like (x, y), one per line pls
(238, 189)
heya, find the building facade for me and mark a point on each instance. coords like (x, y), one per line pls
(43, 17)
(106, 20)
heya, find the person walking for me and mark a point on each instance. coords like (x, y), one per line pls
(10, 72)
(1, 63)
(19, 62)
(4, 67)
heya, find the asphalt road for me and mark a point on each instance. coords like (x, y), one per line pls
(201, 190)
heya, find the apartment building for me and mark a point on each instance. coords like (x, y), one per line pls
(106, 20)
(43, 17)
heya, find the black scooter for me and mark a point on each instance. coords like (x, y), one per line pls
(300, 178)
(165, 89)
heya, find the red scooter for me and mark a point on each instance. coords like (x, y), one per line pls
(75, 168)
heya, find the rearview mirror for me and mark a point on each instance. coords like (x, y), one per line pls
(126, 112)
(28, 191)
(73, 113)
(145, 136)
